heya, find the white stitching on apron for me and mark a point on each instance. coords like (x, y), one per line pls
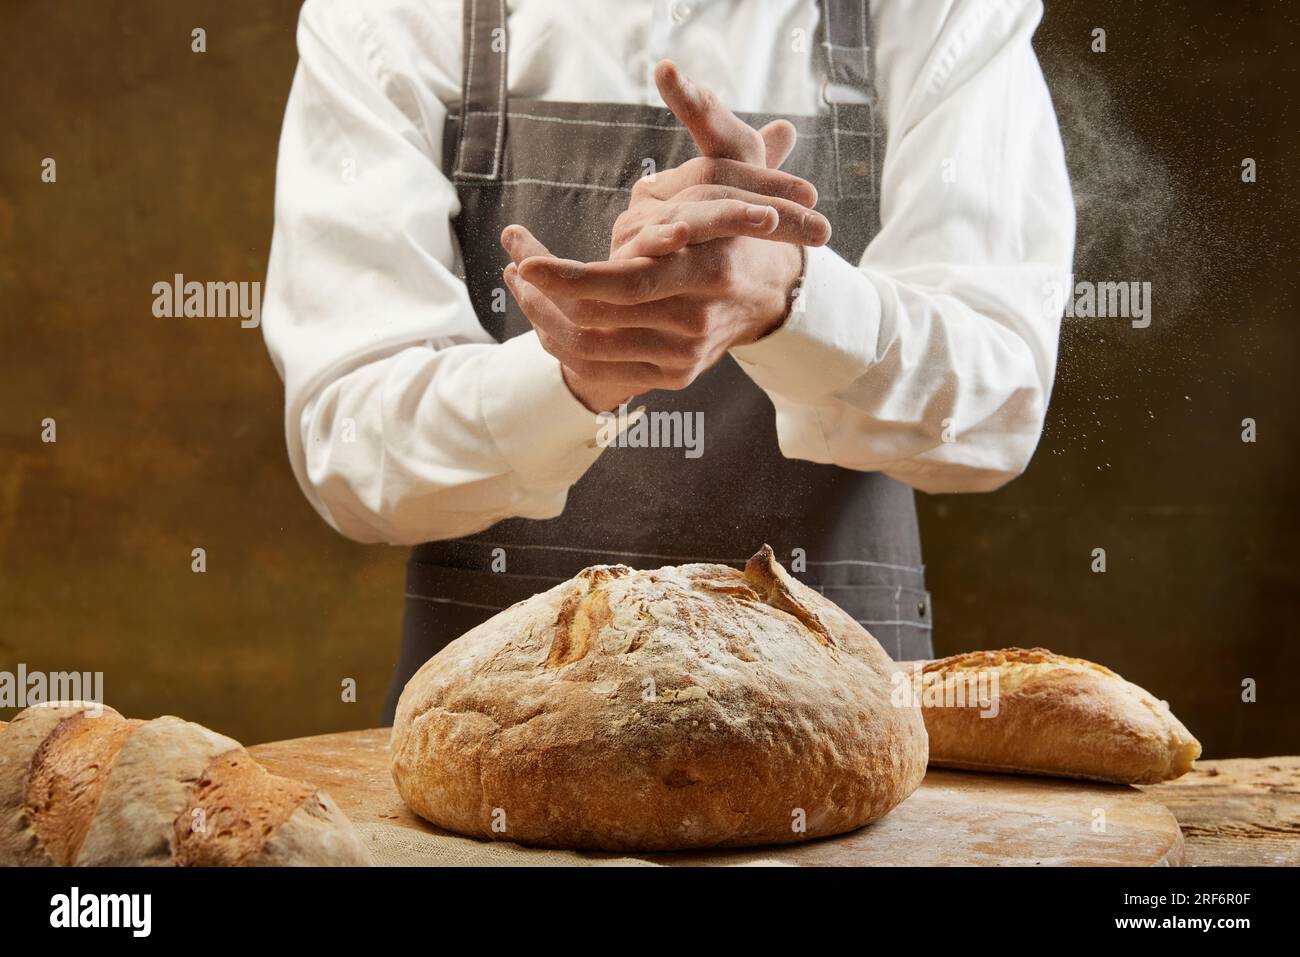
(859, 561)
(893, 621)
(462, 177)
(460, 170)
(835, 109)
(898, 617)
(680, 558)
(469, 84)
(551, 182)
(469, 604)
(667, 127)
(454, 601)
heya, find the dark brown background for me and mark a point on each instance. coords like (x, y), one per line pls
(170, 434)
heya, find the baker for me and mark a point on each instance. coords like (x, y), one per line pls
(495, 222)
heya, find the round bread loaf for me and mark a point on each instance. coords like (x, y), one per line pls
(684, 707)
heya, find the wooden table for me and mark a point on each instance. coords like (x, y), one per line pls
(1239, 811)
(1244, 811)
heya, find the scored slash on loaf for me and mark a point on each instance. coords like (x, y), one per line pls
(681, 707)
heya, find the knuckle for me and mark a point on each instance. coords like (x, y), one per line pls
(737, 211)
(642, 285)
(696, 323)
(588, 343)
(704, 169)
(676, 379)
(591, 371)
(583, 314)
(626, 232)
(723, 273)
(696, 354)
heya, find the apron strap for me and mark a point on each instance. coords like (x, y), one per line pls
(847, 42)
(483, 104)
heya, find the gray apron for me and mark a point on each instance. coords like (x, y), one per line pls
(565, 170)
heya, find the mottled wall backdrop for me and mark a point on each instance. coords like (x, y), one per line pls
(169, 430)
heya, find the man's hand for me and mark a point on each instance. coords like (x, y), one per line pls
(704, 259)
(624, 327)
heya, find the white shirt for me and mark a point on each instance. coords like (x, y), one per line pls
(930, 360)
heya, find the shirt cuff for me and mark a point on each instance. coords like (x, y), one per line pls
(829, 338)
(541, 430)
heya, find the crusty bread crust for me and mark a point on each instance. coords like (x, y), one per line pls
(19, 843)
(231, 808)
(317, 834)
(66, 779)
(1056, 715)
(81, 789)
(147, 790)
(683, 707)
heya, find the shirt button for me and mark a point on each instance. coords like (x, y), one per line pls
(681, 12)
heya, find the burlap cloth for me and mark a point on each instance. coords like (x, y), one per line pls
(392, 846)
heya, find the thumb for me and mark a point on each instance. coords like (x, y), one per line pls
(778, 138)
(520, 243)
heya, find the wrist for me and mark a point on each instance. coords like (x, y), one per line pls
(595, 396)
(784, 291)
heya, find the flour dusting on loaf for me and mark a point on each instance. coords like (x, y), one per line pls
(681, 707)
(82, 785)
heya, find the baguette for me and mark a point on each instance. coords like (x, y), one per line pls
(82, 785)
(1052, 715)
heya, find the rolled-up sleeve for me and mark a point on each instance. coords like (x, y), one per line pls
(932, 359)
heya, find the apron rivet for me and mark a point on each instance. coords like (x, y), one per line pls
(920, 608)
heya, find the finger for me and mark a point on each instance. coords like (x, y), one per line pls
(658, 239)
(680, 318)
(572, 343)
(718, 217)
(520, 243)
(545, 315)
(712, 212)
(636, 377)
(714, 128)
(779, 138)
(705, 170)
(619, 281)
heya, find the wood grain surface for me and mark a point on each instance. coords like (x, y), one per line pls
(1239, 811)
(1233, 812)
(955, 818)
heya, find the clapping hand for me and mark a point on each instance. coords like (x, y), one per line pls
(706, 257)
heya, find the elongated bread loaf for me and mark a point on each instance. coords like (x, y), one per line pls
(686, 706)
(1045, 713)
(82, 785)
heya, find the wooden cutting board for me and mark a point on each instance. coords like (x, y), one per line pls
(954, 818)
